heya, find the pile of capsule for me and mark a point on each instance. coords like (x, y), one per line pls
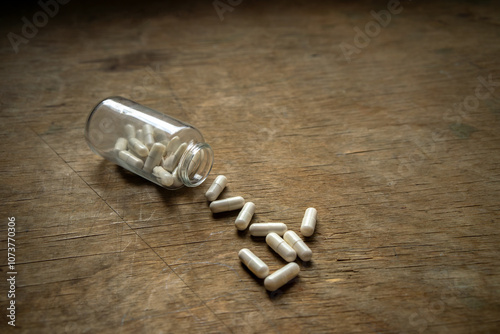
(160, 156)
(287, 247)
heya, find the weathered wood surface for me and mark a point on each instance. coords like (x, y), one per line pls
(406, 183)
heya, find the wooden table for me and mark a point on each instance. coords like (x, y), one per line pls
(390, 130)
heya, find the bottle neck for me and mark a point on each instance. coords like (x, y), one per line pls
(195, 164)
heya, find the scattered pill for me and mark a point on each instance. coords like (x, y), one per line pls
(149, 138)
(172, 146)
(129, 131)
(303, 251)
(121, 144)
(154, 157)
(245, 216)
(228, 204)
(216, 188)
(172, 160)
(288, 247)
(138, 147)
(308, 222)
(263, 229)
(130, 159)
(281, 247)
(281, 276)
(252, 261)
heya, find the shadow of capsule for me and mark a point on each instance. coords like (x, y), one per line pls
(276, 294)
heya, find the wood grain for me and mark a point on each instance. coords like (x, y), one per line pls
(392, 148)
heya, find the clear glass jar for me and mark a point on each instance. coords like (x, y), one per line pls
(157, 147)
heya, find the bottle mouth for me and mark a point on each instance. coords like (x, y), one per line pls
(196, 163)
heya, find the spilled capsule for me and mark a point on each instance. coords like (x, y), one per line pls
(254, 263)
(281, 276)
(245, 216)
(263, 229)
(281, 247)
(308, 222)
(216, 188)
(228, 204)
(303, 251)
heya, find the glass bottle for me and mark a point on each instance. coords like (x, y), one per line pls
(157, 147)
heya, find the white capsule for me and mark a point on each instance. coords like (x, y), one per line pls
(154, 157)
(165, 143)
(216, 188)
(252, 261)
(164, 177)
(130, 159)
(177, 178)
(281, 276)
(172, 146)
(228, 204)
(136, 146)
(129, 131)
(281, 247)
(149, 138)
(245, 216)
(121, 145)
(308, 222)
(195, 162)
(139, 135)
(161, 136)
(263, 229)
(303, 251)
(171, 161)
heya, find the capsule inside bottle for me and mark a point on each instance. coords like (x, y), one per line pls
(141, 139)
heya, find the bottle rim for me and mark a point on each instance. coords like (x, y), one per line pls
(195, 164)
